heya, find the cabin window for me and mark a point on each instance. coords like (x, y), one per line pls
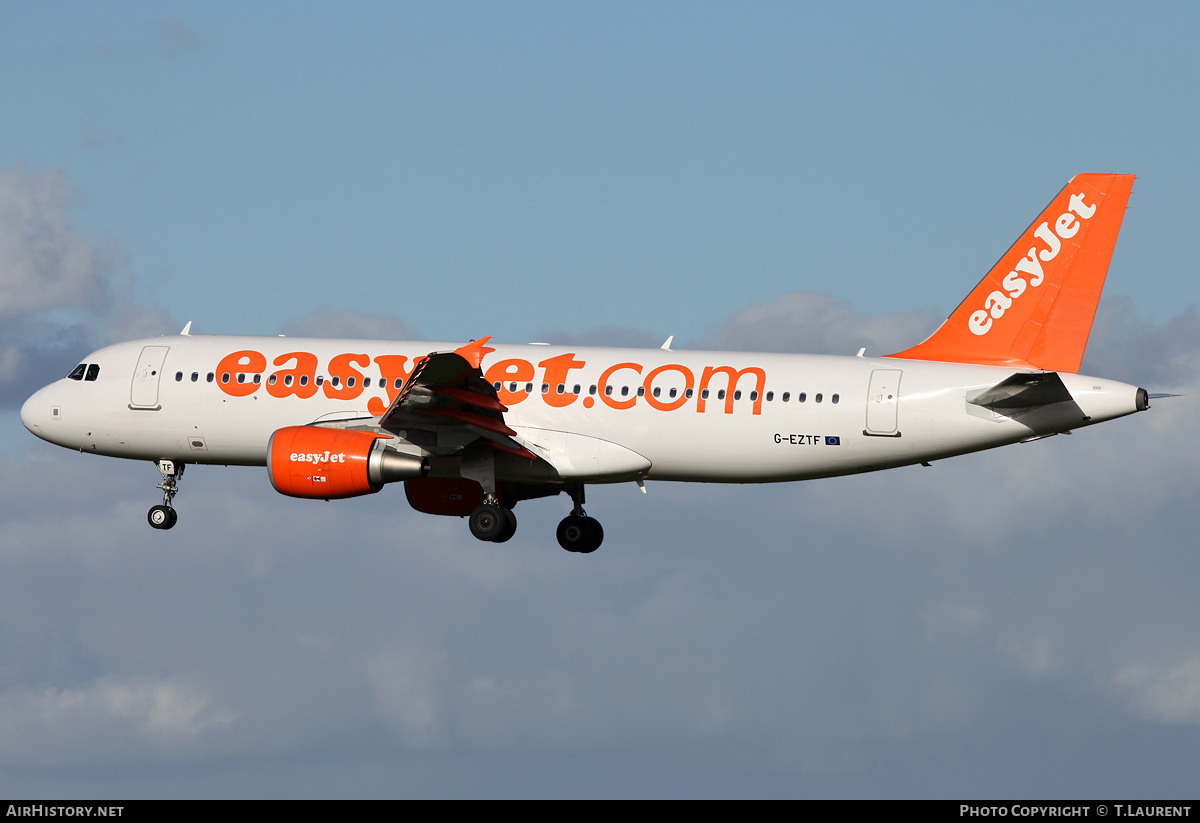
(657, 391)
(561, 388)
(576, 389)
(178, 377)
(271, 380)
(78, 372)
(497, 385)
(287, 380)
(835, 398)
(241, 378)
(334, 381)
(608, 391)
(720, 394)
(672, 393)
(754, 395)
(688, 394)
(704, 394)
(545, 388)
(93, 372)
(641, 391)
(195, 376)
(366, 382)
(770, 396)
(257, 379)
(529, 388)
(800, 398)
(737, 395)
(512, 386)
(225, 377)
(350, 382)
(592, 389)
(785, 397)
(818, 397)
(624, 391)
(398, 382)
(304, 380)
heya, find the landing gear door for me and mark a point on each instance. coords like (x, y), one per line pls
(144, 393)
(883, 398)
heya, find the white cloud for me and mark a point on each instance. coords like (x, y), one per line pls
(1165, 693)
(10, 362)
(1035, 656)
(130, 321)
(86, 723)
(1160, 357)
(45, 262)
(817, 323)
(812, 629)
(175, 37)
(59, 295)
(406, 684)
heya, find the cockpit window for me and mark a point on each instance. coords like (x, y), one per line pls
(77, 374)
(93, 371)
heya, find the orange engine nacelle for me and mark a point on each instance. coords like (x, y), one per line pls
(324, 464)
(453, 496)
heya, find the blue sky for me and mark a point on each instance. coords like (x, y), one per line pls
(774, 176)
(592, 165)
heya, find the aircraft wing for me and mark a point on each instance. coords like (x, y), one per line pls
(447, 397)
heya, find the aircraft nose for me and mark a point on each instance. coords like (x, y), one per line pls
(34, 412)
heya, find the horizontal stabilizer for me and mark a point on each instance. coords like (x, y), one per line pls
(1024, 390)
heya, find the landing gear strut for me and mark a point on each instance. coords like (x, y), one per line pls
(164, 516)
(577, 532)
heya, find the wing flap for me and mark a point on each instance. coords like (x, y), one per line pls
(473, 419)
(447, 393)
(448, 380)
(473, 398)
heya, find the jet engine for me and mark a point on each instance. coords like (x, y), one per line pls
(321, 463)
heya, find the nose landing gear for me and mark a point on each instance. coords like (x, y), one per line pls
(164, 516)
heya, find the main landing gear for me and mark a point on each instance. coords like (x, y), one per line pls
(493, 522)
(577, 532)
(164, 516)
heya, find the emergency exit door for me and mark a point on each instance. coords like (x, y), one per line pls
(144, 392)
(883, 400)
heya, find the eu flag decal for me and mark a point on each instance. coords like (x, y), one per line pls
(833, 441)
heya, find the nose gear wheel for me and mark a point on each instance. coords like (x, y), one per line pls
(164, 516)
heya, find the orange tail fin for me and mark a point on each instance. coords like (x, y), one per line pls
(1034, 309)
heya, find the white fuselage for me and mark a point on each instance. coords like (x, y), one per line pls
(620, 414)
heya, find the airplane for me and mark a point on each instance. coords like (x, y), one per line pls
(472, 429)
